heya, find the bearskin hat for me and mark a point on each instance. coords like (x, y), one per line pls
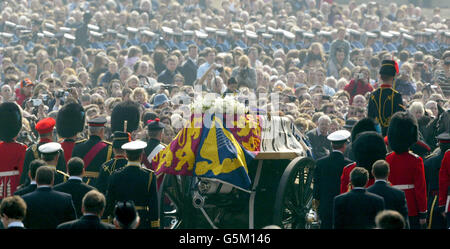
(368, 148)
(10, 121)
(70, 120)
(365, 124)
(402, 132)
(126, 110)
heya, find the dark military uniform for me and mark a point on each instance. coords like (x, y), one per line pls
(385, 101)
(119, 161)
(32, 154)
(327, 178)
(94, 152)
(111, 166)
(432, 167)
(138, 184)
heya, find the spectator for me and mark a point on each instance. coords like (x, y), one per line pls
(318, 138)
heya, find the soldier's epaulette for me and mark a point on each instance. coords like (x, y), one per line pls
(81, 141)
(106, 142)
(413, 154)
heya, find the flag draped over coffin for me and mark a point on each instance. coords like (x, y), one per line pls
(213, 151)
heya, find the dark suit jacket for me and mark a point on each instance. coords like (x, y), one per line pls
(25, 190)
(77, 189)
(47, 208)
(327, 182)
(394, 199)
(321, 146)
(356, 209)
(189, 71)
(86, 222)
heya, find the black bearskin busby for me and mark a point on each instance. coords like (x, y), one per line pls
(126, 110)
(70, 120)
(365, 124)
(368, 147)
(10, 121)
(402, 132)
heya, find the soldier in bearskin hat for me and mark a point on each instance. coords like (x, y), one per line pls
(12, 153)
(94, 151)
(385, 101)
(365, 124)
(69, 122)
(367, 148)
(125, 111)
(45, 129)
(406, 169)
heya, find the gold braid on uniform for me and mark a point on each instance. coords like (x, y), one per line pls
(381, 119)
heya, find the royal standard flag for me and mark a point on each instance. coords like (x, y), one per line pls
(221, 157)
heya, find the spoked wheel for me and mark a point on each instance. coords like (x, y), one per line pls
(294, 194)
(172, 202)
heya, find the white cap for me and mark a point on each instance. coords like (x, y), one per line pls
(167, 30)
(48, 34)
(408, 37)
(65, 29)
(10, 24)
(132, 30)
(289, 35)
(221, 32)
(251, 34)
(200, 34)
(134, 145)
(49, 25)
(7, 35)
(93, 27)
(69, 37)
(209, 29)
(386, 34)
(148, 33)
(51, 147)
(339, 136)
(371, 35)
(308, 35)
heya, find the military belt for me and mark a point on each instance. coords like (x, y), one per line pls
(91, 174)
(9, 173)
(404, 186)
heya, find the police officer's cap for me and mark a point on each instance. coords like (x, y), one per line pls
(155, 124)
(122, 36)
(251, 34)
(134, 145)
(49, 148)
(210, 30)
(65, 29)
(238, 31)
(93, 27)
(120, 138)
(386, 35)
(97, 122)
(340, 136)
(148, 33)
(408, 37)
(267, 36)
(289, 35)
(167, 30)
(69, 37)
(10, 24)
(308, 35)
(221, 33)
(201, 35)
(50, 26)
(395, 33)
(95, 34)
(188, 32)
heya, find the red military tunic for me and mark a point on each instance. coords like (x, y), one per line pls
(407, 173)
(67, 146)
(444, 182)
(345, 178)
(12, 156)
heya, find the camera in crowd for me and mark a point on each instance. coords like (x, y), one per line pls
(61, 93)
